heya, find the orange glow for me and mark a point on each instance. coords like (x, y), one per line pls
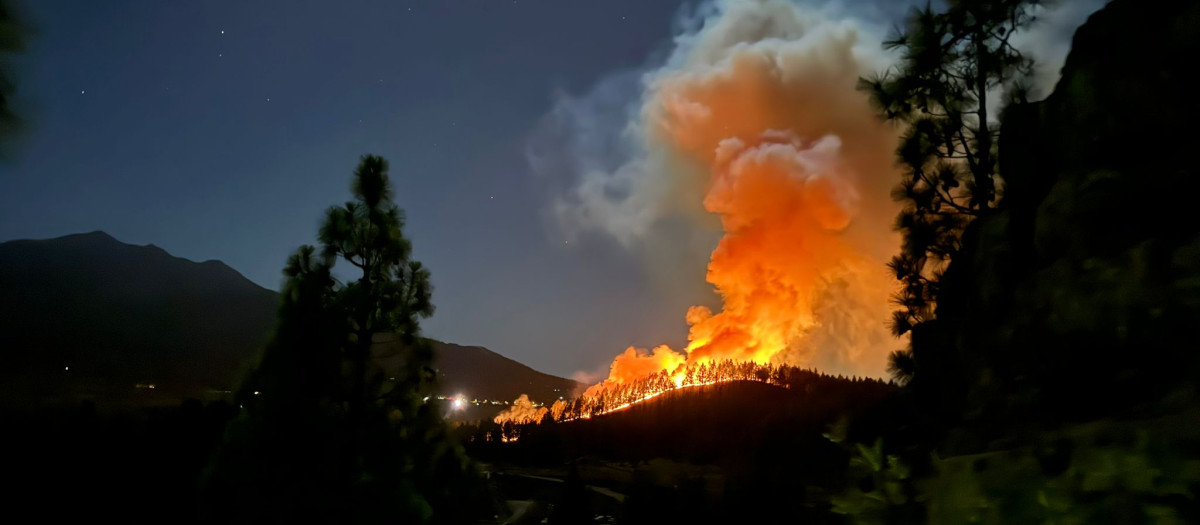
(758, 114)
(784, 205)
(521, 412)
(614, 397)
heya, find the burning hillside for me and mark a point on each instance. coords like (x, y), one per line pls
(693, 387)
(600, 400)
(756, 116)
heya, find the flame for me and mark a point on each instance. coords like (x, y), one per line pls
(614, 398)
(522, 412)
(758, 111)
(784, 205)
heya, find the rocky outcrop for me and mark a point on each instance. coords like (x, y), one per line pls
(1084, 290)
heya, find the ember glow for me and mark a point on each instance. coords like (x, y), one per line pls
(614, 398)
(755, 121)
(522, 412)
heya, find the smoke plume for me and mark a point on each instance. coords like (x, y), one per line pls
(753, 129)
(521, 412)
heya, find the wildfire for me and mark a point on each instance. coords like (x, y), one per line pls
(620, 397)
(757, 116)
(522, 412)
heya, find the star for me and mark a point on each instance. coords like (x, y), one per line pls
(82, 92)
(222, 31)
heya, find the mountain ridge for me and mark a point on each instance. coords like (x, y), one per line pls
(95, 317)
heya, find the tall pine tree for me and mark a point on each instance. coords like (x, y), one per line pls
(941, 92)
(326, 433)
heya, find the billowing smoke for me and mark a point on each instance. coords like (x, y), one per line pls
(521, 412)
(750, 135)
(754, 121)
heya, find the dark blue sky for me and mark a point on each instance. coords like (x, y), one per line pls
(223, 129)
(147, 122)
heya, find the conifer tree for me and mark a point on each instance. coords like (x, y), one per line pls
(942, 91)
(326, 433)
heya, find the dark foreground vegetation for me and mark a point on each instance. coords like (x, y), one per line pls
(1051, 273)
(707, 454)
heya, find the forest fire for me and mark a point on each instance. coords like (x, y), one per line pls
(522, 412)
(601, 401)
(756, 119)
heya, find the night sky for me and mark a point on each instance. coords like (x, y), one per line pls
(223, 129)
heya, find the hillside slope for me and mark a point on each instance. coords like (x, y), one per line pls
(475, 371)
(87, 316)
(736, 420)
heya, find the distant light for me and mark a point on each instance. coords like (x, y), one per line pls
(67, 368)
(222, 31)
(458, 403)
(256, 392)
(425, 400)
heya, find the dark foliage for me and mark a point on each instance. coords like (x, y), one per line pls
(764, 447)
(951, 60)
(13, 36)
(85, 464)
(1056, 379)
(326, 435)
(1075, 300)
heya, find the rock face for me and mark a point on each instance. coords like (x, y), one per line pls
(1084, 290)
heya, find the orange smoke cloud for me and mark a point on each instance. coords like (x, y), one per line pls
(522, 412)
(756, 118)
(634, 363)
(783, 206)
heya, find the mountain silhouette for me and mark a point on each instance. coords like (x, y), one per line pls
(86, 316)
